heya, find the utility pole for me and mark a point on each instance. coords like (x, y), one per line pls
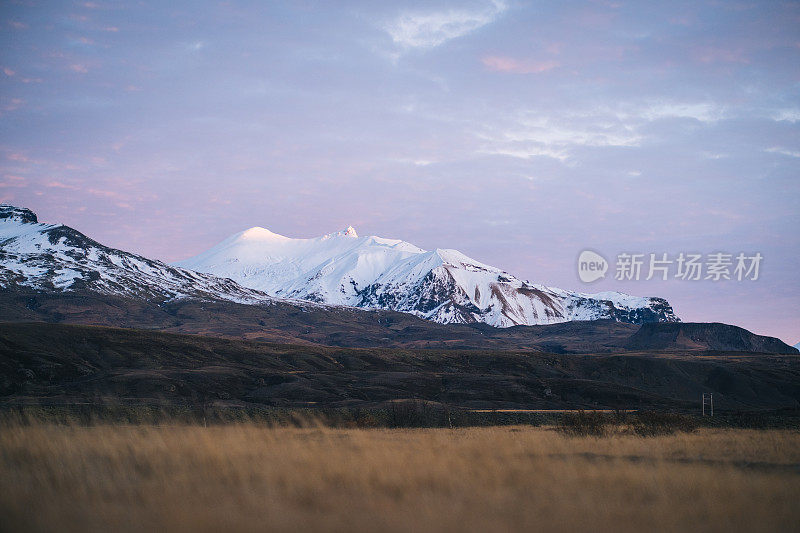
(708, 399)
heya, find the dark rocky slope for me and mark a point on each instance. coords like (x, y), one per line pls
(66, 365)
(704, 336)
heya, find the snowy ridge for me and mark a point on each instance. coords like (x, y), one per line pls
(54, 257)
(377, 273)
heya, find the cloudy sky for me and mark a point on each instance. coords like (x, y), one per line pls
(517, 132)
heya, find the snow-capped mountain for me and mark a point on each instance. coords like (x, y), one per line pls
(341, 268)
(54, 257)
(377, 273)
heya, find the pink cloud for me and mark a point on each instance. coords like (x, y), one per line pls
(17, 24)
(12, 73)
(77, 67)
(104, 193)
(13, 181)
(515, 66)
(59, 185)
(14, 156)
(13, 104)
(111, 28)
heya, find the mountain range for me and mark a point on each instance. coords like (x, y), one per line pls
(259, 267)
(442, 285)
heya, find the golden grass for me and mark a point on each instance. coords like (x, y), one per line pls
(250, 478)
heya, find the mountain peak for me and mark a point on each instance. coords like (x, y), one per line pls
(349, 231)
(258, 233)
(18, 214)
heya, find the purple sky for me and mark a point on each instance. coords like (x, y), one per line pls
(516, 132)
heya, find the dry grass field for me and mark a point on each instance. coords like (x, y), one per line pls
(251, 478)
